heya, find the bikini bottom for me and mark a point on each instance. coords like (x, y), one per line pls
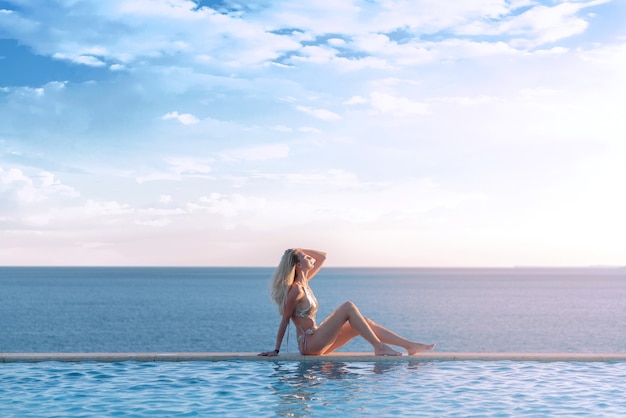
(302, 339)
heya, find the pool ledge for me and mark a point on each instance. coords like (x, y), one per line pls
(342, 357)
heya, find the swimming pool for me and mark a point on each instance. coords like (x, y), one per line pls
(314, 388)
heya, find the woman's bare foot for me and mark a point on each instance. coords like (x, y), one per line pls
(385, 350)
(417, 348)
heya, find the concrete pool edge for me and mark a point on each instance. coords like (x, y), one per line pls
(340, 357)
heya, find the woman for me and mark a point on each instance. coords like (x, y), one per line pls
(296, 302)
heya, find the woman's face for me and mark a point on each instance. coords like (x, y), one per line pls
(305, 262)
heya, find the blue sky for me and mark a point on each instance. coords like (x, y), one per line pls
(388, 133)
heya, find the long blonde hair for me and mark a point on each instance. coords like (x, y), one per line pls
(283, 279)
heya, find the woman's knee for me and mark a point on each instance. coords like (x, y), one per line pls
(349, 306)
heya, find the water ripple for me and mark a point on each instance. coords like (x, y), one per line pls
(235, 388)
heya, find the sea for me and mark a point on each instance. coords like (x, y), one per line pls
(227, 309)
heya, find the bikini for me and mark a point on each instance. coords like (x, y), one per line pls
(309, 313)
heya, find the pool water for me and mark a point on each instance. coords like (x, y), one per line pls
(313, 388)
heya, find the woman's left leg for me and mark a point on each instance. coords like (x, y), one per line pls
(387, 336)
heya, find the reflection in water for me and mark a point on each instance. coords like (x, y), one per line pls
(301, 387)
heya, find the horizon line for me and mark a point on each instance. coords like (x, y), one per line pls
(520, 267)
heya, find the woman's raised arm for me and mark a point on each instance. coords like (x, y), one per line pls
(319, 257)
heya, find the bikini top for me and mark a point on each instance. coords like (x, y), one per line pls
(311, 310)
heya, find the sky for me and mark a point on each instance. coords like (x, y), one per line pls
(399, 133)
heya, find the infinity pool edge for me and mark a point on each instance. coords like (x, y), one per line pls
(343, 357)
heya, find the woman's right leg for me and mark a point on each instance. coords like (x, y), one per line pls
(330, 331)
(346, 334)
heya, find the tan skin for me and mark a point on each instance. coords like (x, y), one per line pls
(345, 323)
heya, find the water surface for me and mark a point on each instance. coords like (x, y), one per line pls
(228, 309)
(302, 389)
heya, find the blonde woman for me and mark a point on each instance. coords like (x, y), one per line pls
(296, 302)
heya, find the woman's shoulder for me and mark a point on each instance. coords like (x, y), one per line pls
(297, 288)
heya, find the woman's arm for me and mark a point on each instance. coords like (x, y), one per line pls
(319, 257)
(290, 306)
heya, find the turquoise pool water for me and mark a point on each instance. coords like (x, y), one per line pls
(301, 389)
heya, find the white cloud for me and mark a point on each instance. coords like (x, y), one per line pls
(406, 203)
(375, 43)
(336, 42)
(88, 60)
(52, 185)
(399, 106)
(469, 101)
(309, 130)
(157, 223)
(14, 175)
(179, 29)
(536, 26)
(279, 65)
(355, 100)
(611, 56)
(201, 32)
(281, 128)
(96, 209)
(26, 190)
(189, 166)
(334, 178)
(158, 176)
(322, 114)
(549, 24)
(184, 118)
(184, 10)
(316, 54)
(177, 169)
(258, 153)
(228, 205)
(354, 64)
